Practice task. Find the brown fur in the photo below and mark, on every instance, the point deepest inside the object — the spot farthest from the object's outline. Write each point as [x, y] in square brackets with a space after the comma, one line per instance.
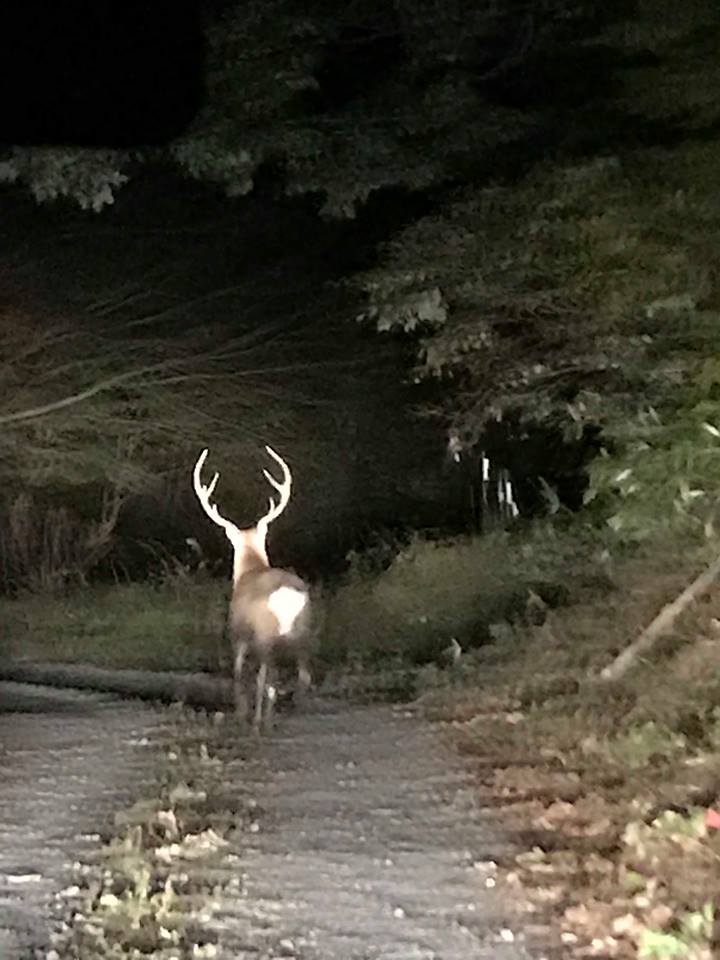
[254, 631]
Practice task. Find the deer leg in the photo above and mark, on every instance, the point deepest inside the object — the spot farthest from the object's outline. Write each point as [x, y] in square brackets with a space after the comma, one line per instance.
[270, 697]
[260, 691]
[304, 676]
[240, 654]
[304, 679]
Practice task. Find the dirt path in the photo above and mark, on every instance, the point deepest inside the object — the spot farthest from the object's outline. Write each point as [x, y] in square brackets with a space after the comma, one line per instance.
[68, 761]
[363, 841]
[370, 844]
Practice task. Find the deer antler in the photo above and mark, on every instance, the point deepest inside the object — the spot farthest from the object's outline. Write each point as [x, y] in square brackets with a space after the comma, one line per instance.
[204, 492]
[283, 487]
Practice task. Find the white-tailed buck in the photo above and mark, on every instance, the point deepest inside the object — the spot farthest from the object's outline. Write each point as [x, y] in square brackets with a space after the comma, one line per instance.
[269, 612]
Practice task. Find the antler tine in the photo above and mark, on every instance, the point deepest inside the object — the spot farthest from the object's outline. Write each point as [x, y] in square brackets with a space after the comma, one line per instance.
[200, 462]
[205, 491]
[283, 487]
[276, 456]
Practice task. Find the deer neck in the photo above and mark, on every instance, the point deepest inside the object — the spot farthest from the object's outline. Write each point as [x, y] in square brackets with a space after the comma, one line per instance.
[249, 552]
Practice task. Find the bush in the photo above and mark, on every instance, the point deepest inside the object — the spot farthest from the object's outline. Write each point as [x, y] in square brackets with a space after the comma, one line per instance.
[435, 591]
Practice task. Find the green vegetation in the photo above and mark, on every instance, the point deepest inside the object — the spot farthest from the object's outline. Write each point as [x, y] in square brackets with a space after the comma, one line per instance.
[343, 102]
[580, 296]
[436, 590]
[175, 626]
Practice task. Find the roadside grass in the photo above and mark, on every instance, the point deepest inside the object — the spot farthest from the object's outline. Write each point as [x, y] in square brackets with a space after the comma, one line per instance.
[613, 789]
[174, 625]
[554, 665]
[469, 590]
[435, 592]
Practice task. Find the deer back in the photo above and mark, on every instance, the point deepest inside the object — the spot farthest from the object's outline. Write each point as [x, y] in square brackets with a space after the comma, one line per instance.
[270, 606]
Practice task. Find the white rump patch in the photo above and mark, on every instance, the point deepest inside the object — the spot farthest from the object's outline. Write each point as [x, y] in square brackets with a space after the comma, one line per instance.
[286, 603]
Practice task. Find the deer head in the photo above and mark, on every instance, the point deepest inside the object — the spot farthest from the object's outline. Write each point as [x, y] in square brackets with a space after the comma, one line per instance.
[249, 547]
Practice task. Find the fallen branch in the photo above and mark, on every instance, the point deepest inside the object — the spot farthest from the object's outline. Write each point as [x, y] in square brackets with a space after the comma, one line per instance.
[661, 624]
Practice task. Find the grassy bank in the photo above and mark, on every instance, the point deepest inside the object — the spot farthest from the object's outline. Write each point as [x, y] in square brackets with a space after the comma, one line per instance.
[408, 614]
[613, 789]
[170, 626]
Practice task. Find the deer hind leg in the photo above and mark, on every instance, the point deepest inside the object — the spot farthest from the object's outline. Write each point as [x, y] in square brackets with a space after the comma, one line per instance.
[260, 690]
[304, 679]
[238, 691]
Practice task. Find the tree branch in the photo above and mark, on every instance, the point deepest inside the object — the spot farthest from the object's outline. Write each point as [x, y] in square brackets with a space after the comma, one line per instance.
[660, 624]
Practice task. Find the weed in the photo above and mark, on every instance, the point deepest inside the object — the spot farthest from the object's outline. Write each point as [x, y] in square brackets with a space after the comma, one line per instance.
[691, 940]
[637, 747]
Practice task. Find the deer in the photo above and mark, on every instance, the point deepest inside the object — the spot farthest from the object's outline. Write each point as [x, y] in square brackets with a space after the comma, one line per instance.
[269, 612]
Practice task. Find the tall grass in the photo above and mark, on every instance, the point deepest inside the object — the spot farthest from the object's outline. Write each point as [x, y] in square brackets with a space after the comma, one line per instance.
[407, 614]
[438, 590]
[50, 548]
[176, 625]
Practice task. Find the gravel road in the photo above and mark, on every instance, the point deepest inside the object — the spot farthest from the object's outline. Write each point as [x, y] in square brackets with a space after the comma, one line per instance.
[370, 846]
[367, 842]
[68, 761]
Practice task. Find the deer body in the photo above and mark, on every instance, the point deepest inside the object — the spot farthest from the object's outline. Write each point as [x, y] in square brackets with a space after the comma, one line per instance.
[269, 618]
[270, 612]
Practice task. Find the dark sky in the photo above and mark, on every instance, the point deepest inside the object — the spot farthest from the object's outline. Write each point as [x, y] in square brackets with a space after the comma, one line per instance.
[99, 72]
